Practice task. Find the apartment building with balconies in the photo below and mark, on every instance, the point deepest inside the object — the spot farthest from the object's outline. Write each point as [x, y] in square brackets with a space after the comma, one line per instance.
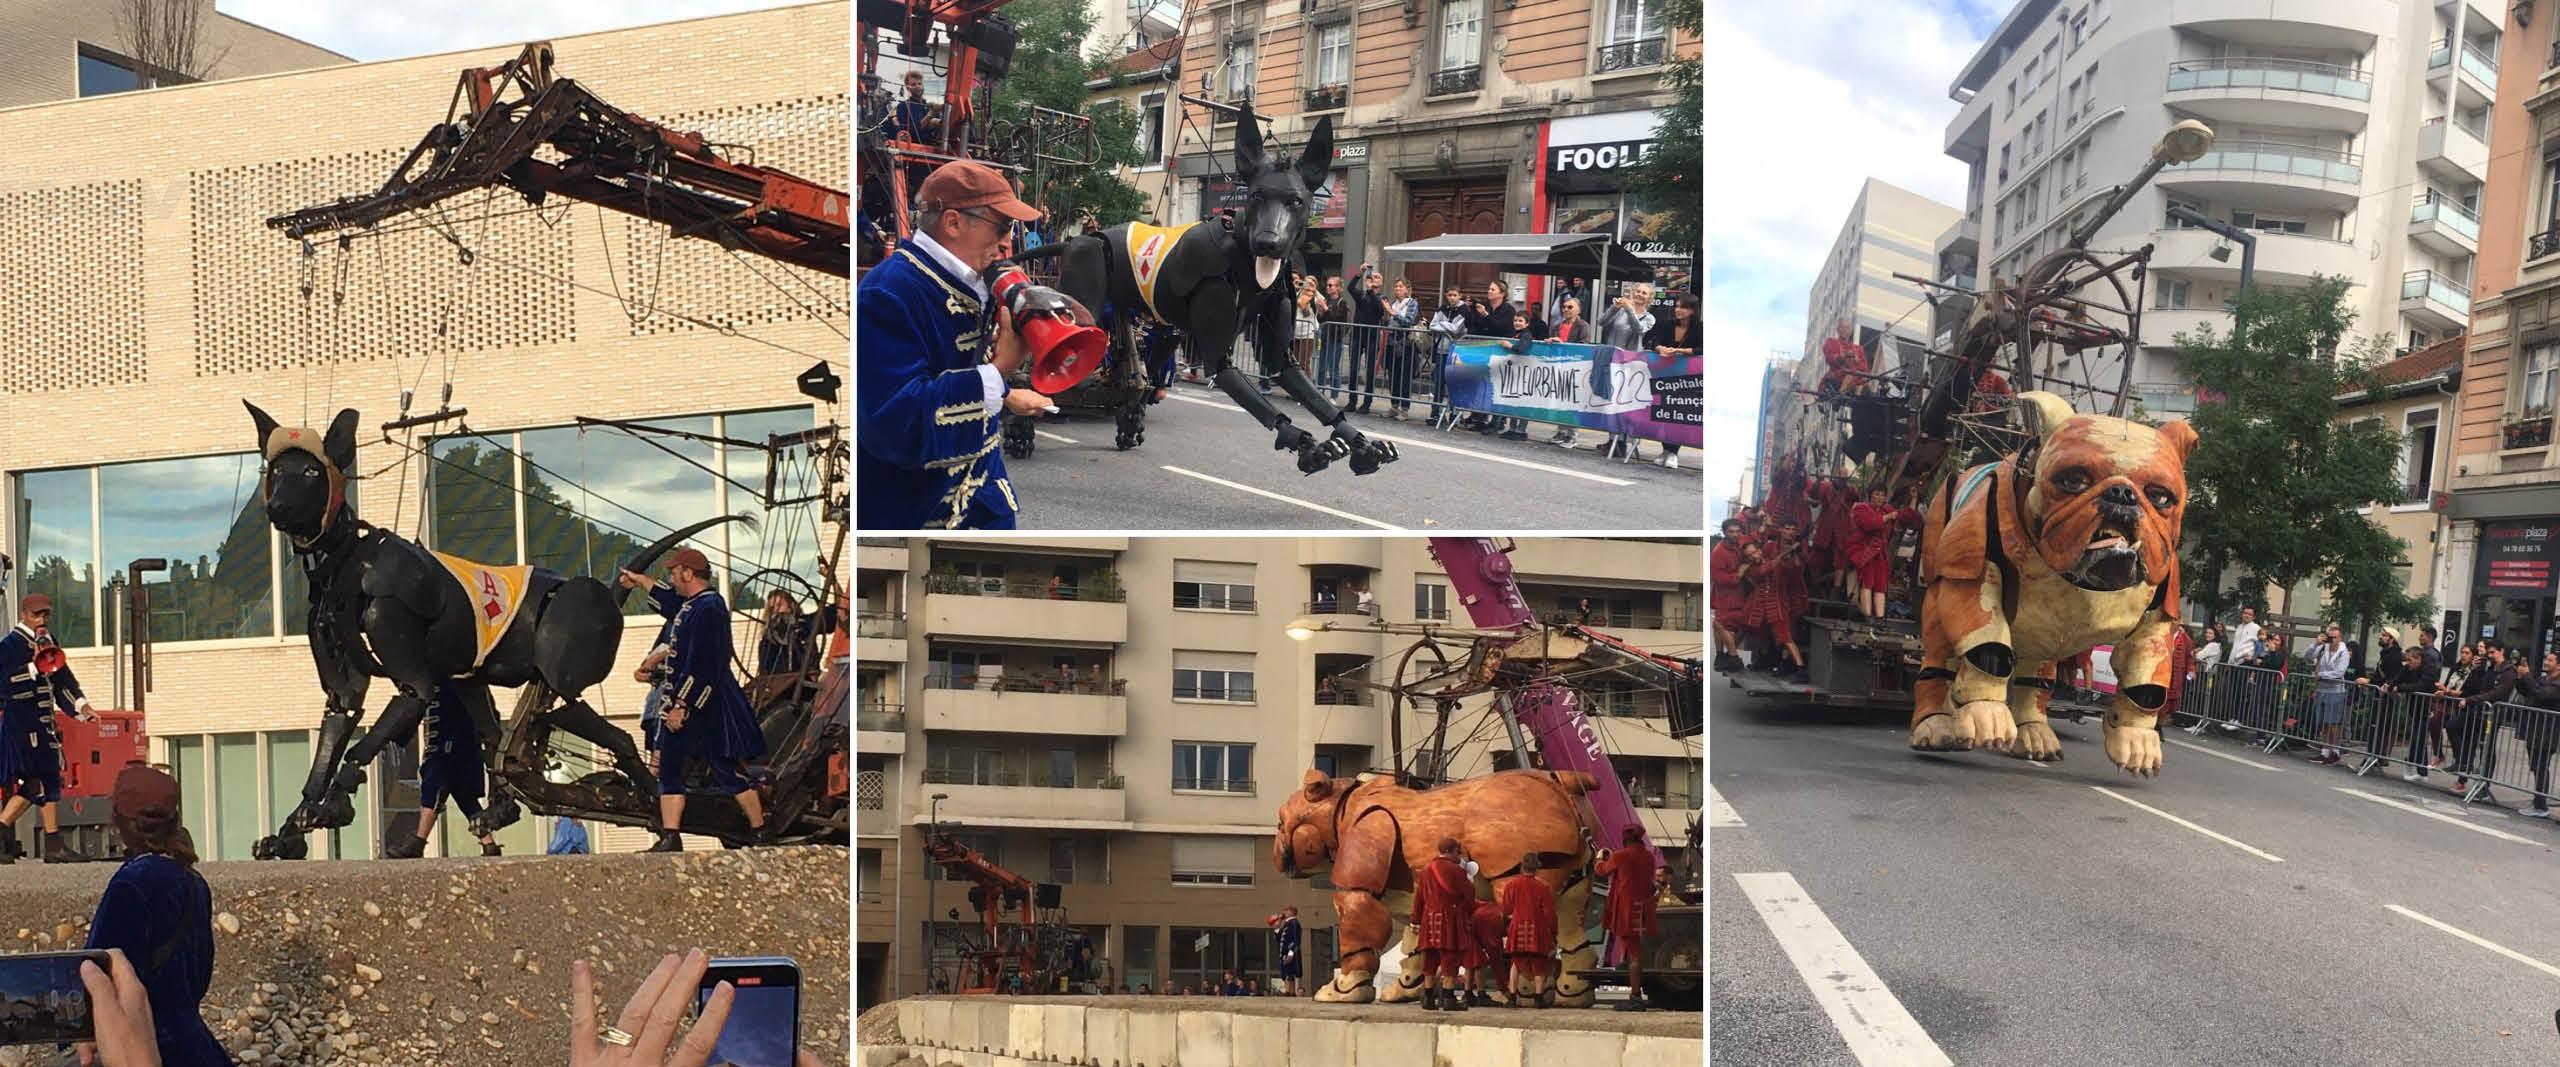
[1889, 230]
[2495, 568]
[1123, 717]
[2351, 136]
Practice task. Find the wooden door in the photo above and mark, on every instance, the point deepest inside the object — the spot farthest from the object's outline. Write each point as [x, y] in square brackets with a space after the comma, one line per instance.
[1470, 206]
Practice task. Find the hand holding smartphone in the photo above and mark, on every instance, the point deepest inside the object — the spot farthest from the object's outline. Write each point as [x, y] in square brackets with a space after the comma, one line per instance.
[763, 1029]
[43, 1001]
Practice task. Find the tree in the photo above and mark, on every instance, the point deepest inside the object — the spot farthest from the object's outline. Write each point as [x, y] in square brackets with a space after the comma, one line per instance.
[1667, 181]
[165, 38]
[2277, 486]
[1050, 70]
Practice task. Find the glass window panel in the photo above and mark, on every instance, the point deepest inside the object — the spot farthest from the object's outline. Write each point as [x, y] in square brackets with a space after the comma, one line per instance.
[632, 492]
[202, 514]
[101, 76]
[53, 518]
[235, 771]
[789, 538]
[186, 765]
[1139, 946]
[1239, 766]
[288, 761]
[471, 500]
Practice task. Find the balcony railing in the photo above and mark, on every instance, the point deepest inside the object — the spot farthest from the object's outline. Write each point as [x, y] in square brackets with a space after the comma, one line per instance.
[2475, 62]
[2555, 55]
[1327, 97]
[1239, 603]
[1633, 55]
[2325, 163]
[1457, 80]
[1013, 780]
[887, 624]
[2267, 72]
[964, 586]
[1215, 785]
[1347, 605]
[889, 717]
[2436, 287]
[2420, 493]
[2531, 431]
[2450, 214]
[1230, 694]
[881, 542]
[1650, 797]
[1030, 682]
[2546, 243]
[1347, 698]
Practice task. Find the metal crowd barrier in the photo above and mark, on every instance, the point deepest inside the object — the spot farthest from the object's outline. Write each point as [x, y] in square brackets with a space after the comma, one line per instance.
[1354, 363]
[2478, 746]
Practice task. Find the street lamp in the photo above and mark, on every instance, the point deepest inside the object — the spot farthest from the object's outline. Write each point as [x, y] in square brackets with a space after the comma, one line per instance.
[1304, 628]
[932, 930]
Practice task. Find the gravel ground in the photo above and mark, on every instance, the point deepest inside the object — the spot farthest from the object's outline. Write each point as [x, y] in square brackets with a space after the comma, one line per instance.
[466, 961]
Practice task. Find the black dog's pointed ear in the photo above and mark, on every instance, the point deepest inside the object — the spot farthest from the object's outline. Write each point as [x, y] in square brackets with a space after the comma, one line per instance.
[1249, 158]
[1315, 165]
[266, 424]
[340, 441]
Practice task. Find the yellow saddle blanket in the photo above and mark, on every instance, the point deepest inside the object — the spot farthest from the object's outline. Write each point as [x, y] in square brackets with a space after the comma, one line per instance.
[496, 594]
[1148, 247]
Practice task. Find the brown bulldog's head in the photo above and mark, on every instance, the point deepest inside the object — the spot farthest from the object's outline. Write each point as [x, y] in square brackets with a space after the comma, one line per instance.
[1306, 839]
[2108, 495]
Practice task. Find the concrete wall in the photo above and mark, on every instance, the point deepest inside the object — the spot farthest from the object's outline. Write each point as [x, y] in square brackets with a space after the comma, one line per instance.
[153, 298]
[1001, 1032]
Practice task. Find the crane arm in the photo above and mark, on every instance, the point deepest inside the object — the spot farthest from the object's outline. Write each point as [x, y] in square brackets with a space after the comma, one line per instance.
[500, 116]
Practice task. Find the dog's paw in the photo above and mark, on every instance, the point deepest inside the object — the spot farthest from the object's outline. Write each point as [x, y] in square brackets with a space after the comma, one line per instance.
[2134, 745]
[1986, 724]
[2037, 742]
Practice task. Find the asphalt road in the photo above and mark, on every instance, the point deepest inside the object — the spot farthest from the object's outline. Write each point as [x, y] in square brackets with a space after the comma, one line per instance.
[1207, 466]
[1879, 906]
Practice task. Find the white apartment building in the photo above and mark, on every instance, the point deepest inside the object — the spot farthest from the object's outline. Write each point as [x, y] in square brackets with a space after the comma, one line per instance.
[1124, 716]
[1890, 230]
[2351, 135]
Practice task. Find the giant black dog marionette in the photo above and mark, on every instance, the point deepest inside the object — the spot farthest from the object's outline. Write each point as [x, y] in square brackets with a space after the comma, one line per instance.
[1217, 282]
[383, 606]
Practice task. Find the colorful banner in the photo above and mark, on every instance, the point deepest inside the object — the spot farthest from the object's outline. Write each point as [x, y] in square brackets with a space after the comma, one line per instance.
[1658, 398]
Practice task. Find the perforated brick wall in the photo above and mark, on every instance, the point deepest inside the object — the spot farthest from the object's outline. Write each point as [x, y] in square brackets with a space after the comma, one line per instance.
[73, 258]
[672, 285]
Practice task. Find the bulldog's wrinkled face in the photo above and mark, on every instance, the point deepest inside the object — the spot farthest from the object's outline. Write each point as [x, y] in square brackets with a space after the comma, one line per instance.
[2108, 499]
[1305, 841]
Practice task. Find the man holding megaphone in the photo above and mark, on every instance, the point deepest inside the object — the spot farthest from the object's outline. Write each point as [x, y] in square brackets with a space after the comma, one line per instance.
[933, 385]
[38, 679]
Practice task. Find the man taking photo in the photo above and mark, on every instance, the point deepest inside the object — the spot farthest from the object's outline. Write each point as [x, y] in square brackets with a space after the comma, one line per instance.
[930, 396]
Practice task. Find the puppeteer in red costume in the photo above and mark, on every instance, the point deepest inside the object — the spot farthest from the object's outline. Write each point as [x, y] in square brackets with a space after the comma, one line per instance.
[1443, 910]
[1484, 947]
[1844, 360]
[1530, 908]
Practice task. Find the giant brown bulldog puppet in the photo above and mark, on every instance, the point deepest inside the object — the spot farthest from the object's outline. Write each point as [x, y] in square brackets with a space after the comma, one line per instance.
[1372, 835]
[2069, 543]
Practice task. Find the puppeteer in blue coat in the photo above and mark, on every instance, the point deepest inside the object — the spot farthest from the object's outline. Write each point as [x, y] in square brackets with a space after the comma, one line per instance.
[31, 751]
[719, 727]
[929, 436]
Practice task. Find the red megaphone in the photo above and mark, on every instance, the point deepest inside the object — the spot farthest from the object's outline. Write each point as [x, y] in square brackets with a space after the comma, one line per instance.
[49, 658]
[1066, 347]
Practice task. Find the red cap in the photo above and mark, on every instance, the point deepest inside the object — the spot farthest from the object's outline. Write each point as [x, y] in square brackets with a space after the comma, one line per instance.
[34, 603]
[145, 792]
[691, 559]
[964, 184]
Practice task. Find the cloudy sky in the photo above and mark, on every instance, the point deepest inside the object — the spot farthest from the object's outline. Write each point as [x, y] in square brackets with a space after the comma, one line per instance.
[1846, 90]
[370, 31]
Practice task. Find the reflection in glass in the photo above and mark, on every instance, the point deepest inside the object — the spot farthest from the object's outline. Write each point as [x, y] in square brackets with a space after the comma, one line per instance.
[614, 493]
[471, 501]
[203, 515]
[789, 539]
[60, 559]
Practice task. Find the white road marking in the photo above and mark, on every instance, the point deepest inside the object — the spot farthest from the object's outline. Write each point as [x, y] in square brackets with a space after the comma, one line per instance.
[2481, 941]
[2436, 815]
[2219, 754]
[1058, 437]
[2261, 854]
[1438, 447]
[1308, 504]
[1720, 813]
[1878, 1029]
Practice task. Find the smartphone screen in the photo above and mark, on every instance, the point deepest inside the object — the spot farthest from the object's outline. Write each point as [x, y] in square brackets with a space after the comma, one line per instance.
[764, 1020]
[41, 999]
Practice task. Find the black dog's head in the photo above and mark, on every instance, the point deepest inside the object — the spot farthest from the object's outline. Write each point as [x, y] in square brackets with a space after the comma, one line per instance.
[1277, 198]
[305, 481]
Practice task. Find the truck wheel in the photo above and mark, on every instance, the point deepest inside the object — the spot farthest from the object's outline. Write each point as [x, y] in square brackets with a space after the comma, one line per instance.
[1679, 992]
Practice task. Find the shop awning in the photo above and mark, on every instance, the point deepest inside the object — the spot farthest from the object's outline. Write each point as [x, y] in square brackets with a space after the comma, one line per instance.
[1566, 255]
